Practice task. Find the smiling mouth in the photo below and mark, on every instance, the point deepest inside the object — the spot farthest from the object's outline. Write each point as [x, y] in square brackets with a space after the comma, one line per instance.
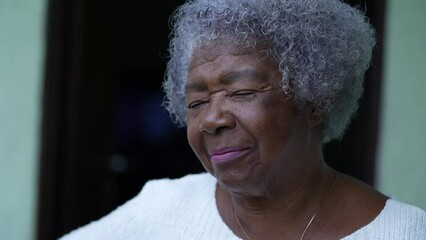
[228, 155]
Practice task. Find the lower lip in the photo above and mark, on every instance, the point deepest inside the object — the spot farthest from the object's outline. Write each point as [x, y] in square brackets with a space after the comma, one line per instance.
[228, 156]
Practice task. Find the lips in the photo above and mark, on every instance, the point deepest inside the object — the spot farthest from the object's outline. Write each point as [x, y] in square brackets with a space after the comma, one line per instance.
[228, 154]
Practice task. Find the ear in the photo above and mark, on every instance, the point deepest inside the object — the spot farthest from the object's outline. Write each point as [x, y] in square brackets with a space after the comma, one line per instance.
[314, 117]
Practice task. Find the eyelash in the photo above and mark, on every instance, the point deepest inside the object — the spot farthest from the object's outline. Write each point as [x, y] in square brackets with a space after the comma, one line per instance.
[196, 104]
[236, 94]
[243, 93]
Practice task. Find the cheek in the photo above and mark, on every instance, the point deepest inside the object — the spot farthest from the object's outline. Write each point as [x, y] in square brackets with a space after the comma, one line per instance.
[192, 134]
[195, 140]
[275, 122]
[267, 112]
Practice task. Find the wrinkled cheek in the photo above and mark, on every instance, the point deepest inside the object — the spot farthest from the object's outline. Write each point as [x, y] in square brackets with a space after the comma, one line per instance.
[195, 140]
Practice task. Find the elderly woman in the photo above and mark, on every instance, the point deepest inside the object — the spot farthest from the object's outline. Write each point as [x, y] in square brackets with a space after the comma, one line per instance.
[261, 86]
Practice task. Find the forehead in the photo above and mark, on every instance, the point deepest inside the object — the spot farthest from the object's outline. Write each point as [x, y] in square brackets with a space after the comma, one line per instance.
[227, 62]
[209, 53]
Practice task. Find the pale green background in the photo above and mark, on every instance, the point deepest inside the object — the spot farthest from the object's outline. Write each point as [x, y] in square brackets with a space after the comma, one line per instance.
[21, 62]
[402, 151]
[402, 145]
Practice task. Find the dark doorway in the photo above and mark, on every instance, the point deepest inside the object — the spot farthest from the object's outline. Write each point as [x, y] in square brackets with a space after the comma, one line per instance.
[105, 132]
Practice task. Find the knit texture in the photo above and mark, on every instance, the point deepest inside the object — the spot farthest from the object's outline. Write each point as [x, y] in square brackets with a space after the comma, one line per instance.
[185, 209]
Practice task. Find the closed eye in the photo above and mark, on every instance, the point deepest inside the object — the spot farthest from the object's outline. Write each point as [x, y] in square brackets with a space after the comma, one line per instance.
[243, 93]
[196, 104]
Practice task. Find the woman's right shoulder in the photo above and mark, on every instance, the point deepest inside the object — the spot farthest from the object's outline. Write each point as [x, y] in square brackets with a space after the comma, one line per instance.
[190, 183]
[150, 208]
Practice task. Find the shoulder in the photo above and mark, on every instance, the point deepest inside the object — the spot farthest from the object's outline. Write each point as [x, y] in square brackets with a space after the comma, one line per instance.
[397, 220]
[183, 185]
[398, 213]
[150, 208]
[365, 213]
[158, 193]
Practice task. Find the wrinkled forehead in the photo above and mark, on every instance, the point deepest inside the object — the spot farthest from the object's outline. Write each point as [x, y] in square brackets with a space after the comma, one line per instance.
[209, 52]
[230, 66]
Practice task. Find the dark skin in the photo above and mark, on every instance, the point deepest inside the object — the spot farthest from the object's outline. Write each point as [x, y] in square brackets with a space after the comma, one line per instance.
[267, 156]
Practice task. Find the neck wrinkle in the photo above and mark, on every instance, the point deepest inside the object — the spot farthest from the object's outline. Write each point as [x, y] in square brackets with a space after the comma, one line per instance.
[300, 203]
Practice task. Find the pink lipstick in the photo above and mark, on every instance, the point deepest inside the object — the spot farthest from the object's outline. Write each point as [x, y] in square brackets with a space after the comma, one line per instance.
[227, 154]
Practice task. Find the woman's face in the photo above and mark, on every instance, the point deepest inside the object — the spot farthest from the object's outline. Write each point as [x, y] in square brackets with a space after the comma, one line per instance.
[244, 129]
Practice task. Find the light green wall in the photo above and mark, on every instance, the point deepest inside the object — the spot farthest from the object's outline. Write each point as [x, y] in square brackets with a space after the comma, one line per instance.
[21, 62]
[402, 152]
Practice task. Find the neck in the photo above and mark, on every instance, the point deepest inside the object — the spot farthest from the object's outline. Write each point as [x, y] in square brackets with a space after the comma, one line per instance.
[286, 214]
[286, 196]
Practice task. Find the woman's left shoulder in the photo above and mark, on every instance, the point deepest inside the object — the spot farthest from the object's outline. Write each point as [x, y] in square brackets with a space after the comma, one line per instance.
[379, 216]
[397, 220]
[400, 212]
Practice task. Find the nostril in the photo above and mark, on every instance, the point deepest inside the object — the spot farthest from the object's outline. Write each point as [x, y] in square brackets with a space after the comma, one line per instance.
[217, 122]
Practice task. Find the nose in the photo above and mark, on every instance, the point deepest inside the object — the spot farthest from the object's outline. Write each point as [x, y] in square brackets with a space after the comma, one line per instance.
[216, 118]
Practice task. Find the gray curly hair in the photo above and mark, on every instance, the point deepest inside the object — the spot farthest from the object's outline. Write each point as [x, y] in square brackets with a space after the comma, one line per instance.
[323, 49]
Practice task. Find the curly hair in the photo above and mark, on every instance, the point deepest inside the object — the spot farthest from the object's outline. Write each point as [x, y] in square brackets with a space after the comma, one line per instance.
[323, 49]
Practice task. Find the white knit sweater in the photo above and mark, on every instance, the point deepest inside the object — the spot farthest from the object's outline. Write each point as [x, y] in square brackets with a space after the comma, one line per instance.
[185, 209]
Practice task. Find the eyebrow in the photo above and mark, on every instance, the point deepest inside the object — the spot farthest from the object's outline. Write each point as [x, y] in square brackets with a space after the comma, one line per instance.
[228, 79]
